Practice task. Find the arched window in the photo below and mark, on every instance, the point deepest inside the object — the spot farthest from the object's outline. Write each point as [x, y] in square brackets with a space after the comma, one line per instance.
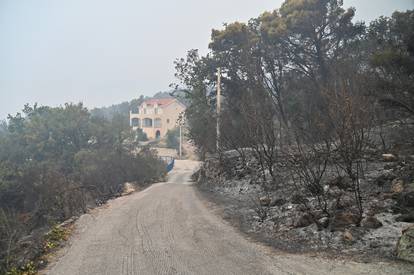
[147, 123]
[157, 123]
[135, 122]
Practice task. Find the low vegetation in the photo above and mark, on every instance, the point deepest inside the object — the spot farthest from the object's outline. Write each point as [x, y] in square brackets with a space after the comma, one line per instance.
[56, 163]
[173, 138]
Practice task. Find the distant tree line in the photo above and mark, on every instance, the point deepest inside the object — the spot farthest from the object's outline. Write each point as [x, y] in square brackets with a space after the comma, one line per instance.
[124, 108]
[58, 162]
[305, 86]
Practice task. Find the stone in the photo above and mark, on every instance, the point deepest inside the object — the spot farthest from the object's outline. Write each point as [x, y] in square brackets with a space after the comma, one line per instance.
[344, 219]
[387, 196]
[405, 245]
[41, 264]
[265, 201]
[406, 200]
[278, 202]
[345, 202]
[324, 222]
[385, 178]
[409, 199]
[335, 192]
[391, 165]
[343, 183]
[397, 186]
[128, 189]
[26, 241]
[68, 222]
[405, 218]
[302, 208]
[297, 199]
[389, 157]
[304, 221]
[30, 247]
[371, 222]
[410, 187]
[347, 236]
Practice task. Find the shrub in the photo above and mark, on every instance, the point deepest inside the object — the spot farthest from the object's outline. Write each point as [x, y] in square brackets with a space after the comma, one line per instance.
[54, 162]
[173, 138]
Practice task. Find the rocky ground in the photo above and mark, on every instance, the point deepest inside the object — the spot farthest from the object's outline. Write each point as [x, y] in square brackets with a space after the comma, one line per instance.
[278, 217]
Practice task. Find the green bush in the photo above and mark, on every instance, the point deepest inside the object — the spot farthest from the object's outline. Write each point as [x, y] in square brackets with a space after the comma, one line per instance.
[173, 138]
[141, 135]
[54, 162]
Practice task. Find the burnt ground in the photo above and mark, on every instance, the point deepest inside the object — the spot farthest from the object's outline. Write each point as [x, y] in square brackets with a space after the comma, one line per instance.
[236, 199]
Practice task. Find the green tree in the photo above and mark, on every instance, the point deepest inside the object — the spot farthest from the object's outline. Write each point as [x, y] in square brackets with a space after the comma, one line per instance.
[141, 135]
[195, 74]
[391, 42]
[173, 138]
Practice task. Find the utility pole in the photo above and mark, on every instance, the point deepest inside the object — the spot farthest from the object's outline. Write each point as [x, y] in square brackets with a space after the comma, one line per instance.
[180, 122]
[218, 99]
[181, 142]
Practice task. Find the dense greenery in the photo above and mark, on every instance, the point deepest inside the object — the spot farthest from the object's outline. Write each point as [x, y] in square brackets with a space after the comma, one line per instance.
[141, 135]
[57, 162]
[173, 138]
[118, 109]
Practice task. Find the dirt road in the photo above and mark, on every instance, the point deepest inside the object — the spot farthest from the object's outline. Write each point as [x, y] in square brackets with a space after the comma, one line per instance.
[167, 229]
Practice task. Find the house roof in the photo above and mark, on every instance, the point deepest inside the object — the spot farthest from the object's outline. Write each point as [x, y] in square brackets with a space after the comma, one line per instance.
[162, 102]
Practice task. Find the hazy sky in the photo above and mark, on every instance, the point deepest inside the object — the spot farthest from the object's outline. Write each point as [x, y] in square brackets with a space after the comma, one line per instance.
[102, 52]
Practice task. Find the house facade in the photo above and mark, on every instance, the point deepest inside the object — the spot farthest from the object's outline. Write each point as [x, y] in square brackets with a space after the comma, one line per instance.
[156, 116]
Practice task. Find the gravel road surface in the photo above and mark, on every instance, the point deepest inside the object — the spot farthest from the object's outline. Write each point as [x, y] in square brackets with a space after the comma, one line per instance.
[167, 229]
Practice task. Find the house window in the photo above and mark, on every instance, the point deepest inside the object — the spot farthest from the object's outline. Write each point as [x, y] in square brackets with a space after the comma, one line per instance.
[147, 123]
[168, 120]
[156, 111]
[145, 111]
[157, 123]
[135, 122]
